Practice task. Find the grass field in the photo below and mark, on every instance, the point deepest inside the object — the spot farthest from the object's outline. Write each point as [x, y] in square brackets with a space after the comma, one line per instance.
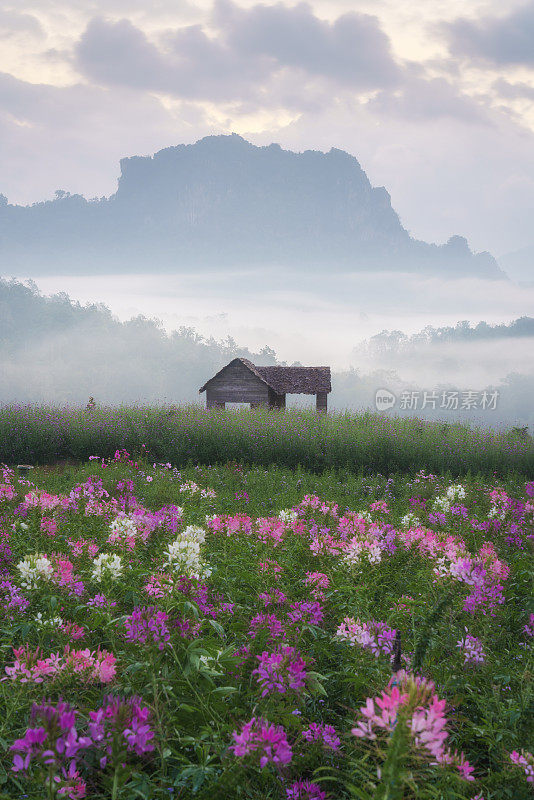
[190, 434]
[224, 632]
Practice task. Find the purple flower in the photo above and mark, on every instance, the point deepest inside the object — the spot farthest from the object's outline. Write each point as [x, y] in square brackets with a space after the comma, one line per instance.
[147, 624]
[269, 621]
[282, 670]
[54, 742]
[123, 721]
[473, 651]
[13, 601]
[325, 733]
[305, 790]
[264, 741]
[311, 613]
[100, 601]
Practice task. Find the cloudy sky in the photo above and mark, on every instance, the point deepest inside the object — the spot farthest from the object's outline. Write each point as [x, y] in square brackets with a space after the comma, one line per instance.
[435, 99]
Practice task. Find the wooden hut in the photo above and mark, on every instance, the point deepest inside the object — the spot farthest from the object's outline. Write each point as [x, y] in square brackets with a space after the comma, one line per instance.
[241, 381]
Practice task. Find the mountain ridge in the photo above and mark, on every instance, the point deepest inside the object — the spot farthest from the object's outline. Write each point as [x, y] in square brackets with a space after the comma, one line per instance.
[221, 202]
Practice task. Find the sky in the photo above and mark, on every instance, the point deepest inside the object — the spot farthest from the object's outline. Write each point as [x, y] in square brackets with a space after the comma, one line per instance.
[436, 100]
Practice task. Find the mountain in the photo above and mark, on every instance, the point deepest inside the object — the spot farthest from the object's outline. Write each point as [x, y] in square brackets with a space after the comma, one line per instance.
[224, 202]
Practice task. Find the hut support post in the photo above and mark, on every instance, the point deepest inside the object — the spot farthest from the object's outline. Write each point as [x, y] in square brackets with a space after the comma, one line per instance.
[321, 402]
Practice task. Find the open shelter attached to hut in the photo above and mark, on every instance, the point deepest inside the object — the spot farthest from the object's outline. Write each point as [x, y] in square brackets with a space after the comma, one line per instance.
[241, 381]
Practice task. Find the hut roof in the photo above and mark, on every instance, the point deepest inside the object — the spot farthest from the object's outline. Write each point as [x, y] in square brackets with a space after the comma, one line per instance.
[288, 380]
[297, 380]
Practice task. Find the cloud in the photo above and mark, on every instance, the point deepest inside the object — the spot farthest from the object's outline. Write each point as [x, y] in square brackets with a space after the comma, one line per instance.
[353, 49]
[503, 40]
[422, 99]
[195, 66]
[254, 50]
[13, 23]
[73, 137]
[513, 91]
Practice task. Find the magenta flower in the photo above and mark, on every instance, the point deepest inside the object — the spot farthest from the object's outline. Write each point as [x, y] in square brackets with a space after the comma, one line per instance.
[125, 722]
[281, 671]
[264, 742]
[324, 733]
[305, 790]
[30, 745]
[148, 625]
[55, 743]
[310, 613]
[266, 621]
[525, 761]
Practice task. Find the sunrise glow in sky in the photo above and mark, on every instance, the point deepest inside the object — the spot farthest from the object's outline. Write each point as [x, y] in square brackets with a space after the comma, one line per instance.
[436, 100]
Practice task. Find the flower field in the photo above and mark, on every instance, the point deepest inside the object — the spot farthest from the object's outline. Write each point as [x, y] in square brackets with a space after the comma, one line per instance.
[192, 434]
[229, 632]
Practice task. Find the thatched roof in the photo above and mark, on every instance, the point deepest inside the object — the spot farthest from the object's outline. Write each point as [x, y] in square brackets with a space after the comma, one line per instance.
[288, 380]
[297, 380]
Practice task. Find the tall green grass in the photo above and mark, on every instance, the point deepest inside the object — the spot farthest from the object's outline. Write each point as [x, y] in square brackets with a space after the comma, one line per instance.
[192, 434]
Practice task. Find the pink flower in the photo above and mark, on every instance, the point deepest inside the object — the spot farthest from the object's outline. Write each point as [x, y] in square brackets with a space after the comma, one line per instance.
[423, 713]
[374, 636]
[49, 526]
[473, 651]
[525, 761]
[264, 741]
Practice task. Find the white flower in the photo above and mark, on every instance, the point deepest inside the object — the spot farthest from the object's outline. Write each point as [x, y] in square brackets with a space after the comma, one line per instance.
[496, 512]
[441, 504]
[410, 521]
[357, 551]
[189, 486]
[183, 555]
[455, 492]
[287, 516]
[33, 569]
[106, 565]
[47, 622]
[123, 526]
[194, 533]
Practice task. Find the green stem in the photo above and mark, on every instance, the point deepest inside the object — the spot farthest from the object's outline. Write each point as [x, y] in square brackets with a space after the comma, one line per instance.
[115, 788]
[51, 792]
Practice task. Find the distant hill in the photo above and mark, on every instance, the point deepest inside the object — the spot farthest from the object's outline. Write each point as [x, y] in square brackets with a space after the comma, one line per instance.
[225, 202]
[53, 349]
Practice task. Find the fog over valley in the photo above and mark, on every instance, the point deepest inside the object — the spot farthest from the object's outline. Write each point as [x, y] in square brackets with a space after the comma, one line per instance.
[57, 350]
